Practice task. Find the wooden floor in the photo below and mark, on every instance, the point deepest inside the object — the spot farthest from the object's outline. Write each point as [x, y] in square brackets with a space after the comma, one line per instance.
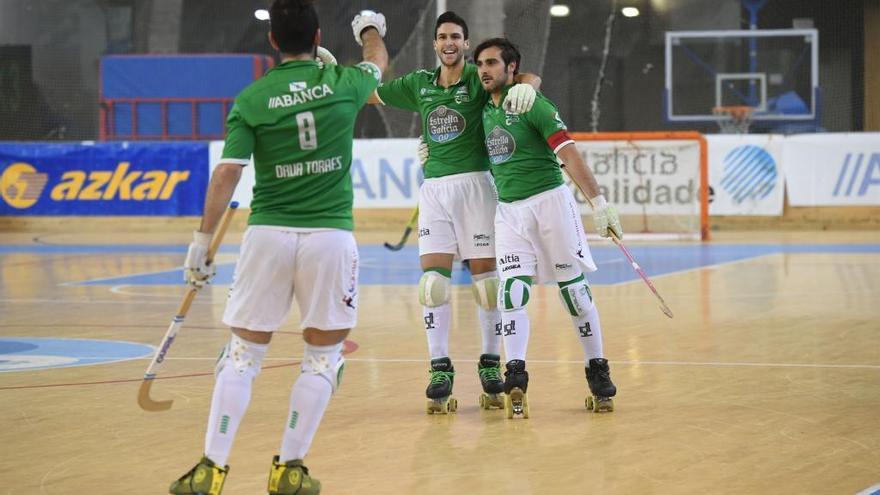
[766, 381]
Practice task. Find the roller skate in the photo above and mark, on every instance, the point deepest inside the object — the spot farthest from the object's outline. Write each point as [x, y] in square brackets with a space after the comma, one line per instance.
[489, 369]
[439, 392]
[205, 478]
[601, 388]
[292, 478]
[516, 382]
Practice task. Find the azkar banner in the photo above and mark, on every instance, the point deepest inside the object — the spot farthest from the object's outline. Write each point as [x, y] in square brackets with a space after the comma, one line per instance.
[118, 178]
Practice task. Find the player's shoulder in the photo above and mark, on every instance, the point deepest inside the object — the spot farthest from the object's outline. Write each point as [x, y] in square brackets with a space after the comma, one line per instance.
[360, 70]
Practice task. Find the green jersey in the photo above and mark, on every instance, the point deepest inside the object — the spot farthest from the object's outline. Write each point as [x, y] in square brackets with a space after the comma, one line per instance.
[450, 118]
[298, 122]
[522, 148]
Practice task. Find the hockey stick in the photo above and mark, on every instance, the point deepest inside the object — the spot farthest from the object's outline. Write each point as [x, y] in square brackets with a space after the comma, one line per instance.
[144, 400]
[409, 228]
[635, 265]
[638, 269]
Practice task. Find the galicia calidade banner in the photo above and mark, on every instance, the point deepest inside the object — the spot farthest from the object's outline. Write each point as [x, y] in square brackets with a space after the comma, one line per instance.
[644, 177]
[833, 169]
[746, 174]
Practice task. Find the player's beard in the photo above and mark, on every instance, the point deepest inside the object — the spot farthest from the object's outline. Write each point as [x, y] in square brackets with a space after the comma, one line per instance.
[497, 82]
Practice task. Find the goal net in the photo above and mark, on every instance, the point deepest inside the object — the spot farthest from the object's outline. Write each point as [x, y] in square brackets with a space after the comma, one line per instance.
[657, 181]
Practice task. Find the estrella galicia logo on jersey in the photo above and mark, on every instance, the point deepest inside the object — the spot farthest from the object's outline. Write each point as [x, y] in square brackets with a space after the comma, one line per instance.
[445, 124]
[462, 95]
[500, 145]
[21, 185]
[749, 173]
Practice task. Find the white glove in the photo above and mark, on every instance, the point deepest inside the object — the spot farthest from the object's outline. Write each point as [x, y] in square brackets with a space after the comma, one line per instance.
[422, 151]
[324, 57]
[606, 219]
[196, 271]
[367, 18]
[519, 99]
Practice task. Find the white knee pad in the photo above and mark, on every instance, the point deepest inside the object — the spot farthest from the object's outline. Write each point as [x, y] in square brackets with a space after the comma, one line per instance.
[577, 297]
[486, 291]
[326, 362]
[514, 293]
[245, 358]
[433, 289]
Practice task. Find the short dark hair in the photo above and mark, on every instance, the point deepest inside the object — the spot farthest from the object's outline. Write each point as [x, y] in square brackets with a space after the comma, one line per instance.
[450, 16]
[294, 24]
[509, 52]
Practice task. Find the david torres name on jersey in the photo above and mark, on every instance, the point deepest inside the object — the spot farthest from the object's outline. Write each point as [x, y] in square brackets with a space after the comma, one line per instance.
[309, 167]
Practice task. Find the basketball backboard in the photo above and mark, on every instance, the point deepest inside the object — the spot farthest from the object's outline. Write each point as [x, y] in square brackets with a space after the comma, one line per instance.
[775, 71]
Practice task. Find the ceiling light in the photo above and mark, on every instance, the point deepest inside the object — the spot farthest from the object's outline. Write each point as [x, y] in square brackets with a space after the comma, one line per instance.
[560, 11]
[629, 12]
[262, 14]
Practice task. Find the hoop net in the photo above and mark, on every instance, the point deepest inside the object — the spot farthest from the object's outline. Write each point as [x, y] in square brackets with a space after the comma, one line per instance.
[734, 119]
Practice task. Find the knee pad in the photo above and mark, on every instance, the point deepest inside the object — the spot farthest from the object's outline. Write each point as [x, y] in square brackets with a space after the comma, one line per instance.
[245, 358]
[433, 289]
[486, 291]
[326, 362]
[514, 293]
[577, 297]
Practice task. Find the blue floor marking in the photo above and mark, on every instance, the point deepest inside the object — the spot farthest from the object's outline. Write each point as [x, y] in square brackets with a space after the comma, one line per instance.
[31, 353]
[380, 266]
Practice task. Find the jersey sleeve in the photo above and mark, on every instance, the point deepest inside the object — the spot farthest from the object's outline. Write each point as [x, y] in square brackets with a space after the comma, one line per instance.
[239, 143]
[400, 92]
[366, 78]
[545, 118]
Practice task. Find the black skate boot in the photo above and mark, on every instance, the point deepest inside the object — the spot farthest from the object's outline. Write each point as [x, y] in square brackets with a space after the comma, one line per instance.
[601, 388]
[489, 369]
[439, 392]
[516, 383]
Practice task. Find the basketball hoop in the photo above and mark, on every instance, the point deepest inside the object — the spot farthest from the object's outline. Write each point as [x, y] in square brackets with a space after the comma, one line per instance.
[734, 119]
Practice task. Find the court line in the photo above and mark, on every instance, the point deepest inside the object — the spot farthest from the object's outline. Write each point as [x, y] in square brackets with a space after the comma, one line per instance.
[546, 361]
[874, 490]
[295, 361]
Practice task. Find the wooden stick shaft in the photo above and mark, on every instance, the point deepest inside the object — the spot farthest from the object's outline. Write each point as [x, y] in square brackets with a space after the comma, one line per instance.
[159, 357]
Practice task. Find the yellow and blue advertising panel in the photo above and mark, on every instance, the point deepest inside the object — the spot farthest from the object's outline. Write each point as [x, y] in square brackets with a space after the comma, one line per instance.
[118, 178]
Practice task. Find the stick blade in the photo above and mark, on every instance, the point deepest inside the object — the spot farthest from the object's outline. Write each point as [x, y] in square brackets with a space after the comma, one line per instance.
[148, 404]
[393, 247]
[666, 310]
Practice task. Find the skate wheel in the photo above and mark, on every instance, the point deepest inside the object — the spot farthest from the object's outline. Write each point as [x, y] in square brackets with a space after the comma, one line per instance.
[451, 405]
[525, 407]
[599, 404]
[508, 406]
[484, 402]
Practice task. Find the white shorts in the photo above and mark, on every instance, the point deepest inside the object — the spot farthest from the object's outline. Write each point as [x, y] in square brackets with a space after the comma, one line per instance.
[542, 237]
[319, 268]
[456, 215]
